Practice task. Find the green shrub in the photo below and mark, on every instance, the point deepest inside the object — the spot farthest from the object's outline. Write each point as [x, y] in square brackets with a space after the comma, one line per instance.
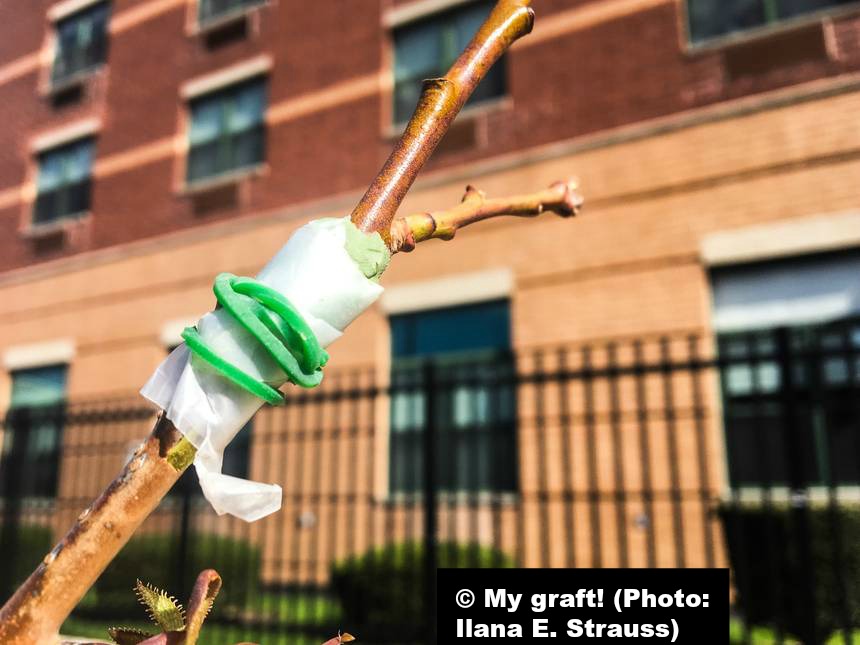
[29, 543]
[765, 555]
[385, 587]
[154, 559]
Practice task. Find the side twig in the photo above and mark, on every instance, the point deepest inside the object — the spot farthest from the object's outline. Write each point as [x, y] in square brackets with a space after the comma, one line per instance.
[560, 198]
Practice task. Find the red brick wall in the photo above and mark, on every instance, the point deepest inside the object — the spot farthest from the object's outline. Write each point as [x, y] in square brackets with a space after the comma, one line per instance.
[620, 71]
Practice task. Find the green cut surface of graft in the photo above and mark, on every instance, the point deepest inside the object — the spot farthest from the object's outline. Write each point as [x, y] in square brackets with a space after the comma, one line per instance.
[368, 251]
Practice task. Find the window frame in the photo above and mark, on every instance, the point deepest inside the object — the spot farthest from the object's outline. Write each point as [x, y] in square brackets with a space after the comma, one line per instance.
[193, 184]
[407, 373]
[243, 7]
[51, 413]
[812, 391]
[85, 184]
[768, 28]
[408, 17]
[69, 79]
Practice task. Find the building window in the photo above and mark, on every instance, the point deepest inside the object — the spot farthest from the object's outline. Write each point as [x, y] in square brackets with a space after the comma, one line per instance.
[34, 430]
[788, 337]
[63, 185]
[460, 355]
[227, 130]
[213, 10]
[81, 43]
[428, 47]
[714, 18]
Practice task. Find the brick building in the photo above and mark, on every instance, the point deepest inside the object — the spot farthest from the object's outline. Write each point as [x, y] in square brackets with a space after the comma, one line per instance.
[146, 145]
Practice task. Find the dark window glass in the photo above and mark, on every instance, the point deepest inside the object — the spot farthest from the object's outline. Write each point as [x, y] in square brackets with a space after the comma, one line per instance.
[427, 48]
[463, 355]
[63, 186]
[81, 42]
[227, 130]
[34, 431]
[211, 10]
[790, 404]
[714, 18]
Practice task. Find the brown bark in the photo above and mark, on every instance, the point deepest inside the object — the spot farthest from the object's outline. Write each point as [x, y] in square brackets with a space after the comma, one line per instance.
[34, 614]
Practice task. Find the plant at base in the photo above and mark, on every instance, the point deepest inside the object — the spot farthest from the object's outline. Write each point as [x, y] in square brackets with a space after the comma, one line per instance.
[176, 627]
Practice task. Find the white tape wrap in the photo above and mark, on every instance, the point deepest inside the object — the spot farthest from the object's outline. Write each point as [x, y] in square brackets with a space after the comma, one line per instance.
[315, 272]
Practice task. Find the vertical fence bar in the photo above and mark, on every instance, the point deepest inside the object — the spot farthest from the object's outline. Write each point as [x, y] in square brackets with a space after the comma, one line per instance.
[696, 368]
[644, 451]
[851, 352]
[430, 556]
[266, 437]
[568, 483]
[798, 483]
[821, 399]
[741, 559]
[370, 499]
[476, 456]
[591, 442]
[766, 469]
[183, 540]
[318, 436]
[542, 498]
[16, 421]
[670, 415]
[300, 438]
[620, 496]
[497, 386]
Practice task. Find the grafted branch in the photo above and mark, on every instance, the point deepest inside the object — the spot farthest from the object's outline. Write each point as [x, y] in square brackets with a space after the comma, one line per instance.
[560, 198]
[440, 102]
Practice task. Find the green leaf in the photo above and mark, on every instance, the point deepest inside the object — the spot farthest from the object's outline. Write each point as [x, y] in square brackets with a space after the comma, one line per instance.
[162, 609]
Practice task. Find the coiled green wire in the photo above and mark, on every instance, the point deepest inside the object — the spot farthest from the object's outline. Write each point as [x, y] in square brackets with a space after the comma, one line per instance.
[273, 321]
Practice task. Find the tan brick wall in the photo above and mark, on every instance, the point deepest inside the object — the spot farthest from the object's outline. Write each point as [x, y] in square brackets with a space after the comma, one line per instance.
[628, 267]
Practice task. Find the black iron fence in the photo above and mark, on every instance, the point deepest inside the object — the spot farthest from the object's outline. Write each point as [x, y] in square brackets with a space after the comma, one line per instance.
[652, 452]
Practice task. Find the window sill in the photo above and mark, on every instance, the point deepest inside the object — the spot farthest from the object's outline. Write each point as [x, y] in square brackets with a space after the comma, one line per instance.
[719, 43]
[226, 179]
[483, 498]
[54, 227]
[74, 81]
[230, 18]
[781, 496]
[499, 104]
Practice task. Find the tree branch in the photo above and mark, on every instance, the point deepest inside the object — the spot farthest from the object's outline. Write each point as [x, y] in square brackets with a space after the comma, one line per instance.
[560, 198]
[440, 102]
[35, 613]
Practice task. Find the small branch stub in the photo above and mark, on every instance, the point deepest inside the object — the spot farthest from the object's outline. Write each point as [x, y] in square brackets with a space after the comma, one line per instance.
[560, 198]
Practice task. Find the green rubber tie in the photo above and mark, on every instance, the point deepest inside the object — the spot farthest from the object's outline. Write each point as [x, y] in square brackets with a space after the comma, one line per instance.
[273, 321]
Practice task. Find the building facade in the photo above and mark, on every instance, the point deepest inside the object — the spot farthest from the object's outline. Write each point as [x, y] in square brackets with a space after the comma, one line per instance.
[149, 144]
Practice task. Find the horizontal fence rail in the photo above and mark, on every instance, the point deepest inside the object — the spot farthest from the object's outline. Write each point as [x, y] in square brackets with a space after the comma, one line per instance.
[678, 451]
